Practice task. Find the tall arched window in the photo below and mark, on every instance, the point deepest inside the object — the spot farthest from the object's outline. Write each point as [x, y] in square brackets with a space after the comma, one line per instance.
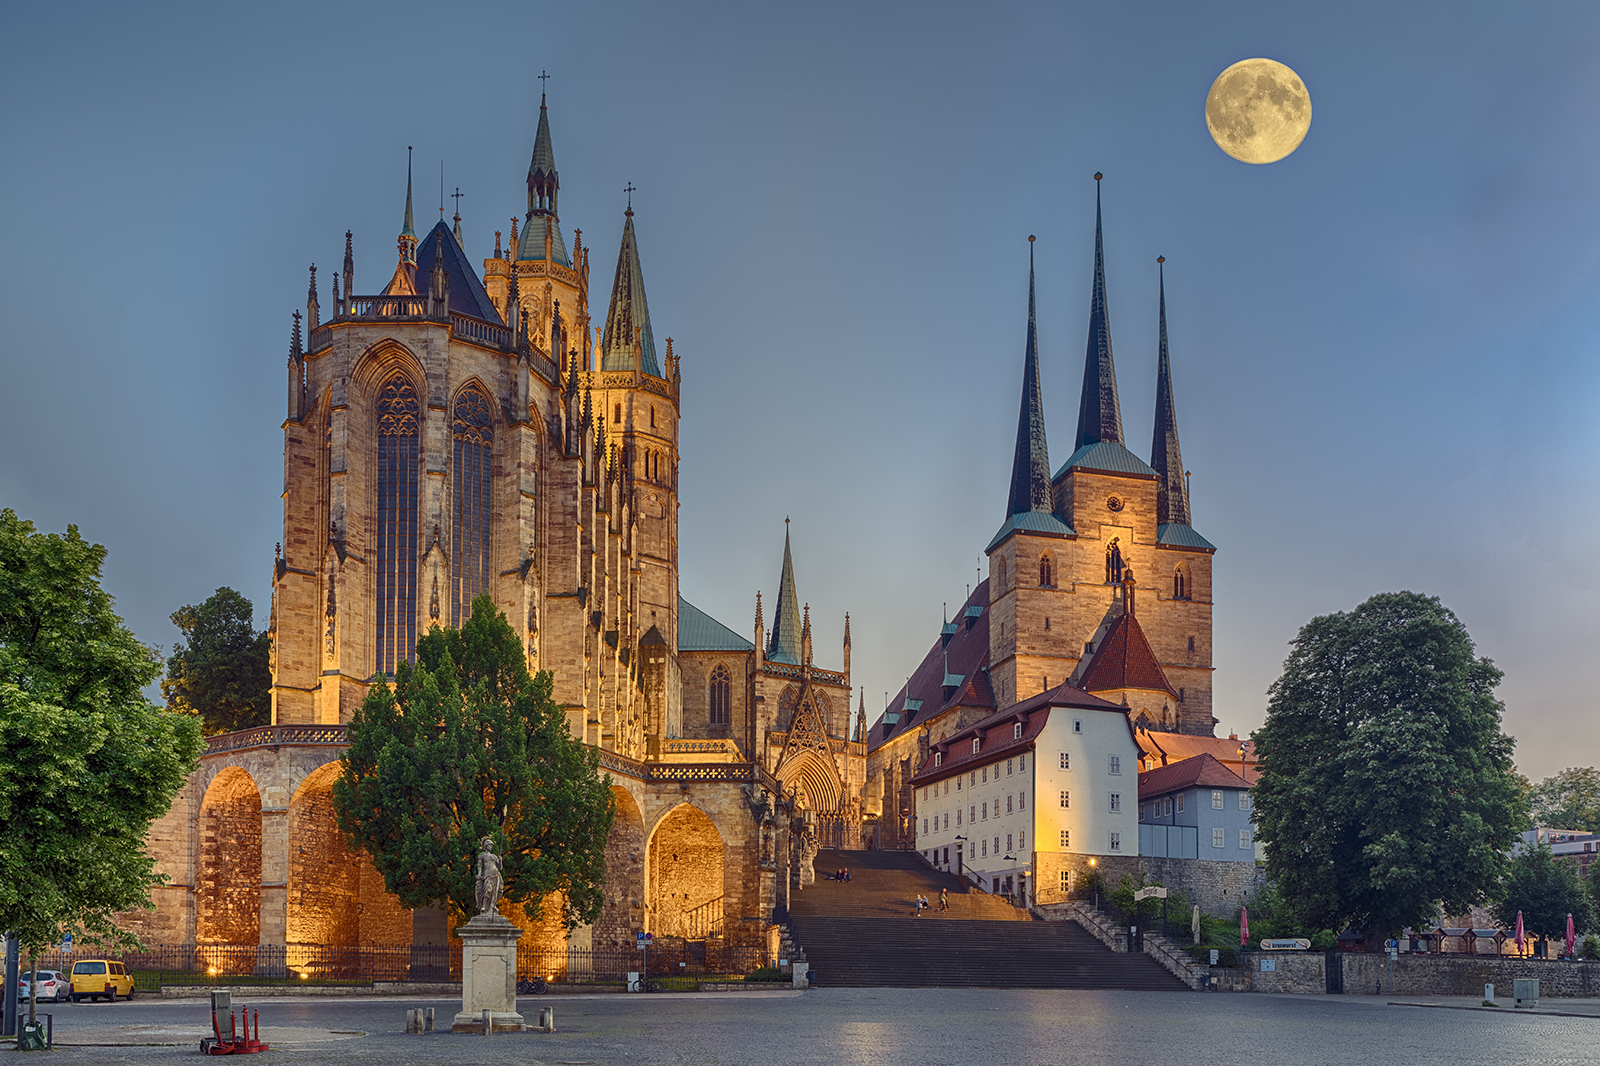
[1000, 575]
[1180, 584]
[398, 413]
[1044, 570]
[721, 692]
[473, 431]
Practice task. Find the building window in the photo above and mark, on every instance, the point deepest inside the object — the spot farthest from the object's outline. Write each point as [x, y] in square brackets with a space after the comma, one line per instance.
[938, 758]
[1066, 799]
[617, 415]
[1066, 875]
[1016, 732]
[1179, 585]
[986, 775]
[1244, 801]
[947, 820]
[997, 844]
[1022, 762]
[1008, 767]
[986, 810]
[1244, 838]
[1180, 695]
[1116, 803]
[947, 788]
[958, 782]
[1000, 573]
[1116, 764]
[1022, 801]
[924, 827]
[1044, 571]
[1077, 725]
[975, 745]
[1116, 840]
[972, 814]
[1008, 804]
[1066, 842]
[985, 852]
[1022, 839]
[958, 817]
[473, 433]
[1216, 799]
[1047, 624]
[398, 415]
[1191, 645]
[1166, 807]
[1066, 761]
[1216, 838]
[652, 416]
[1008, 841]
[721, 690]
[1180, 802]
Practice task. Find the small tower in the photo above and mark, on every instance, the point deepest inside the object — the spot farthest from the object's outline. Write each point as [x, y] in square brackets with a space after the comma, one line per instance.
[404, 282]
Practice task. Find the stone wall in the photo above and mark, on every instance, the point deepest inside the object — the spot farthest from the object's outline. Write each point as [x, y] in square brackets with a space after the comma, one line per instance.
[1465, 975]
[1218, 887]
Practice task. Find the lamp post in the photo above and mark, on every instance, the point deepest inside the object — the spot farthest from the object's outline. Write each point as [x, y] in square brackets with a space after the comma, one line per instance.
[1094, 875]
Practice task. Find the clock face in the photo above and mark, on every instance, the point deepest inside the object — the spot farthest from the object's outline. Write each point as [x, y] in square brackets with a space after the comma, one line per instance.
[1114, 503]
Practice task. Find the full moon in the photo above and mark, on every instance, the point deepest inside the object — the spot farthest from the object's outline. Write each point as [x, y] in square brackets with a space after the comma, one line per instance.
[1258, 111]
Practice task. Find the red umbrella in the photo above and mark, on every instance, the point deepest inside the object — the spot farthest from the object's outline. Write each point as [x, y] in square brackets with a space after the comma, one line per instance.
[1572, 934]
[1519, 937]
[1244, 927]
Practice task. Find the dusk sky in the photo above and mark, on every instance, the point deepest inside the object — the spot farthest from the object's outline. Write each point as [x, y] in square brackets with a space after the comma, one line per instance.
[1383, 346]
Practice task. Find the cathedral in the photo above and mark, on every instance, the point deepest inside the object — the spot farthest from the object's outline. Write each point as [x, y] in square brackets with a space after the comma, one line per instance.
[469, 431]
[1096, 580]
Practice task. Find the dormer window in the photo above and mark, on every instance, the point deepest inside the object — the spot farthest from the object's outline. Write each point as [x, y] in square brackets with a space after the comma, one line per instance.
[976, 744]
[938, 758]
[1016, 731]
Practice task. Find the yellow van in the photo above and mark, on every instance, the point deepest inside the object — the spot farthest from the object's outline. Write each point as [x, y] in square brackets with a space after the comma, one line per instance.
[100, 978]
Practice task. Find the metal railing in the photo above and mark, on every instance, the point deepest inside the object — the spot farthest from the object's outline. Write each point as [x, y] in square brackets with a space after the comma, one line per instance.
[703, 921]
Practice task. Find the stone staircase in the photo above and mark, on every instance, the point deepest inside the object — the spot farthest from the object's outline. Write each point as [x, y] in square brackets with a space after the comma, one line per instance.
[862, 933]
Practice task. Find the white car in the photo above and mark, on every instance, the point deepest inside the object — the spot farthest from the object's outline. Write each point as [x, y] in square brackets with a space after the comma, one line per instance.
[53, 986]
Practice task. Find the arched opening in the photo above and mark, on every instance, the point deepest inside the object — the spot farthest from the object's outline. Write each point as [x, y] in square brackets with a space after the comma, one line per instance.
[1044, 571]
[228, 895]
[336, 897]
[472, 432]
[398, 417]
[686, 876]
[721, 693]
[623, 912]
[1180, 584]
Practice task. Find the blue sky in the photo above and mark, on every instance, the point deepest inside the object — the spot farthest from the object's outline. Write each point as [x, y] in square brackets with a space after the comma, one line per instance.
[1384, 346]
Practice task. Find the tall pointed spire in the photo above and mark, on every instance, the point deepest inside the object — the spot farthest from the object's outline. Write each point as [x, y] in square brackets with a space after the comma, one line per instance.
[784, 647]
[628, 320]
[1030, 469]
[406, 230]
[1172, 494]
[1099, 417]
[542, 226]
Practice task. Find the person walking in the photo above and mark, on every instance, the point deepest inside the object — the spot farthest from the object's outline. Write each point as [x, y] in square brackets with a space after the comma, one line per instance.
[944, 899]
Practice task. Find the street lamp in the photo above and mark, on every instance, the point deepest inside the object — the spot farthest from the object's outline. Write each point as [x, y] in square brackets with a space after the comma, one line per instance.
[1094, 875]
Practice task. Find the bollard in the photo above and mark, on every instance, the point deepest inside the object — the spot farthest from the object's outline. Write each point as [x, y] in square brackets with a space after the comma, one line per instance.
[1488, 995]
[427, 1020]
[414, 1021]
[488, 1022]
[547, 1019]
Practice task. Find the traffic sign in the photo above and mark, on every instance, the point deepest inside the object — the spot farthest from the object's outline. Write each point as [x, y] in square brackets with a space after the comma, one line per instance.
[66, 942]
[1155, 891]
[643, 940]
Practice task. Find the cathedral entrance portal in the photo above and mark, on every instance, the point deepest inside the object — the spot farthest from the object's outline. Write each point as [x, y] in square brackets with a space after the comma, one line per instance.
[686, 876]
[228, 892]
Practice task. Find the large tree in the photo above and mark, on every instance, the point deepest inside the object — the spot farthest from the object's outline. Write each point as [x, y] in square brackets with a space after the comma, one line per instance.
[1569, 800]
[87, 763]
[222, 674]
[1386, 786]
[1544, 892]
[467, 744]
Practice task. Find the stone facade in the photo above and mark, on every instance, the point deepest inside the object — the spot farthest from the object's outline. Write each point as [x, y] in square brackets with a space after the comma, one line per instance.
[462, 433]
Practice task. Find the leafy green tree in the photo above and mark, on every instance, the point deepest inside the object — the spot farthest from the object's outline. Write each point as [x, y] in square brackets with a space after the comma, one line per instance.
[1568, 800]
[1545, 892]
[86, 762]
[1386, 783]
[222, 674]
[468, 745]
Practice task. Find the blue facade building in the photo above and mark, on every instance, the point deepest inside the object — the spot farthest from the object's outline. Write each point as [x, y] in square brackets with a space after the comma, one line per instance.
[1196, 809]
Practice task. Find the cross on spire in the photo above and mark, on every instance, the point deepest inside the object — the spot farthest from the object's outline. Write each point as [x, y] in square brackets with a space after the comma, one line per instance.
[543, 77]
[630, 190]
[456, 196]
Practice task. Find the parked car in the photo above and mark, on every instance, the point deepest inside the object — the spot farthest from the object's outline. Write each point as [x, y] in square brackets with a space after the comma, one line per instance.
[100, 979]
[53, 986]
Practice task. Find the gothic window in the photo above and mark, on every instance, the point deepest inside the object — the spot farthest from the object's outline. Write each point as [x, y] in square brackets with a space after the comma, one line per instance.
[617, 415]
[721, 686]
[398, 415]
[1044, 571]
[652, 416]
[473, 431]
[1180, 584]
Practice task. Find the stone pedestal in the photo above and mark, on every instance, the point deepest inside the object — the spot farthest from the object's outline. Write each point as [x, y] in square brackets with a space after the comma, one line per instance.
[488, 975]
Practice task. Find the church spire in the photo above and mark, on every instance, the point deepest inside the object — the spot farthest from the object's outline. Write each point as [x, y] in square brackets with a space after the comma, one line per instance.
[1030, 469]
[541, 232]
[1099, 418]
[407, 234]
[628, 320]
[784, 647]
[1172, 494]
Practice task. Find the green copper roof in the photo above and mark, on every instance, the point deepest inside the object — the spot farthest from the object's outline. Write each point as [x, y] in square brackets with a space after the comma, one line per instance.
[784, 644]
[1030, 522]
[698, 631]
[1182, 535]
[532, 247]
[629, 312]
[1107, 458]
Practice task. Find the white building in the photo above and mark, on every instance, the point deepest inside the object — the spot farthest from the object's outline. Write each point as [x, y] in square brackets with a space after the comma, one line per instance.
[1032, 792]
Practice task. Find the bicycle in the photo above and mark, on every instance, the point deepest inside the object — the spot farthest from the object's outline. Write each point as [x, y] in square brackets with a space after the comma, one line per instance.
[535, 987]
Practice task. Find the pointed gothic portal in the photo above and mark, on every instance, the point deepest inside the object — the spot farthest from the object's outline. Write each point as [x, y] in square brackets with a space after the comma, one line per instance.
[1172, 495]
[1099, 417]
[807, 770]
[628, 340]
[1030, 469]
[541, 232]
[784, 646]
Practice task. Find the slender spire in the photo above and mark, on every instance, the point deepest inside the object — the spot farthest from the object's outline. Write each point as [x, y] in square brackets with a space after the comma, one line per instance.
[1030, 469]
[1099, 417]
[349, 266]
[406, 230]
[784, 647]
[1172, 493]
[542, 227]
[628, 320]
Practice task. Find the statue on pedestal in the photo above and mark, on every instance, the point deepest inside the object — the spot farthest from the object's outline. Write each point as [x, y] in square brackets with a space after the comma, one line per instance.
[491, 880]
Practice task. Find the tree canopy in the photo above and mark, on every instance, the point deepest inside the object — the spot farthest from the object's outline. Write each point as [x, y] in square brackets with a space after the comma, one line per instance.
[1545, 892]
[1386, 785]
[467, 744]
[87, 763]
[223, 673]
[1568, 800]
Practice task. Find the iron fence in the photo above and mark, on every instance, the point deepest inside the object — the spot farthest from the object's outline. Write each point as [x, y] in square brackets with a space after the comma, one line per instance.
[231, 964]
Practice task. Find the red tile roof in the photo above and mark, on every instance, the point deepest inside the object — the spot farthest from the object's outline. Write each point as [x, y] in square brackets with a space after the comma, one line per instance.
[967, 655]
[998, 735]
[1123, 659]
[1170, 748]
[1202, 770]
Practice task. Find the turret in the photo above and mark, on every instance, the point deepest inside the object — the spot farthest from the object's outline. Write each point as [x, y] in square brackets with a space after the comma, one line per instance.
[313, 316]
[296, 372]
[1172, 491]
[1099, 416]
[628, 343]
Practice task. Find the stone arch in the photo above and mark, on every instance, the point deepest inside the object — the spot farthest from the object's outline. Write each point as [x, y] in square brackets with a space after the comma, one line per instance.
[686, 874]
[228, 888]
[380, 361]
[622, 914]
[816, 778]
[336, 896]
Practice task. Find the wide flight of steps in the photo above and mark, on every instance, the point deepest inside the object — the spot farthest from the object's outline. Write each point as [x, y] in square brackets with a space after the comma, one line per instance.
[862, 933]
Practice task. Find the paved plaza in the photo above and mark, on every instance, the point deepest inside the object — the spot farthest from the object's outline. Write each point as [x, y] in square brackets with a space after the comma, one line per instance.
[870, 1027]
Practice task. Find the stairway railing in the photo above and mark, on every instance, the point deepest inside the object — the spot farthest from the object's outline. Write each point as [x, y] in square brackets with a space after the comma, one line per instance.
[704, 921]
